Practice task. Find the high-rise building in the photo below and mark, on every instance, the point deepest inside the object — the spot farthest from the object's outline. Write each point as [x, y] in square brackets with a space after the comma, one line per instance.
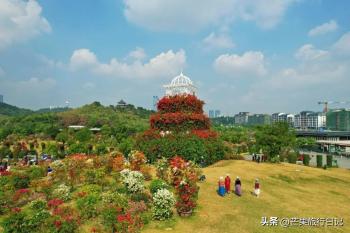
[241, 118]
[214, 113]
[259, 119]
[303, 119]
[316, 120]
[211, 114]
[1, 98]
[283, 117]
[338, 119]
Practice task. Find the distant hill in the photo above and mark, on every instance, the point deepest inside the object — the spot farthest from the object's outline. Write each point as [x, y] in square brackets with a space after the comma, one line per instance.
[122, 120]
[60, 109]
[10, 110]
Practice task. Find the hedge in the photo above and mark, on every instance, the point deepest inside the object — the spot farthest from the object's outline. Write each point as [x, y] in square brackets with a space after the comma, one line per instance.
[190, 147]
[319, 160]
[329, 160]
[306, 160]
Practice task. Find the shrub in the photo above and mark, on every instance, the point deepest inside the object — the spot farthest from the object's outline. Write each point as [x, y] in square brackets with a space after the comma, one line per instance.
[15, 223]
[133, 180]
[158, 184]
[199, 150]
[38, 205]
[36, 172]
[91, 189]
[162, 166]
[62, 191]
[329, 160]
[306, 160]
[38, 220]
[20, 181]
[114, 198]
[146, 172]
[137, 159]
[109, 216]
[319, 160]
[292, 158]
[88, 206]
[163, 202]
[95, 176]
[145, 197]
[184, 178]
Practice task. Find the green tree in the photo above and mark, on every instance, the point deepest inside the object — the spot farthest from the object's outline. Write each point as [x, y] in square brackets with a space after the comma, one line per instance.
[83, 135]
[275, 139]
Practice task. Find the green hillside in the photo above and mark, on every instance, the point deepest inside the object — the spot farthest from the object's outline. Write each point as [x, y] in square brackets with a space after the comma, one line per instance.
[9, 110]
[48, 124]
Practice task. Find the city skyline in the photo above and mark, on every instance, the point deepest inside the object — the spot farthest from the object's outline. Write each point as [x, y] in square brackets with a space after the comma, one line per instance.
[241, 55]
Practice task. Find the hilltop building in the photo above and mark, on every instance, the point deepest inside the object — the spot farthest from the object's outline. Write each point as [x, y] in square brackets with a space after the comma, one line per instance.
[181, 84]
[121, 104]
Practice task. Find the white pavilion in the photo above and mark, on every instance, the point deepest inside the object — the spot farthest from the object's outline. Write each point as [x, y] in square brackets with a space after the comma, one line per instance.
[180, 85]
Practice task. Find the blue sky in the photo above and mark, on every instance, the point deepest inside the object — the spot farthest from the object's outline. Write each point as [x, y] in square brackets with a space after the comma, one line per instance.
[261, 56]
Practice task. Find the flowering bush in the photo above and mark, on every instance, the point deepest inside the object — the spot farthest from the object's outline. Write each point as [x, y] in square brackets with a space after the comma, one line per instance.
[162, 166]
[204, 133]
[184, 178]
[21, 194]
[62, 191]
[54, 203]
[133, 180]
[114, 198]
[118, 161]
[157, 184]
[163, 202]
[146, 171]
[180, 103]
[137, 159]
[88, 206]
[179, 121]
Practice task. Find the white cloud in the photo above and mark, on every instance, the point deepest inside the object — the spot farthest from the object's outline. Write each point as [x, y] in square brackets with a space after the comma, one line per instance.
[325, 28]
[251, 63]
[162, 65]
[20, 20]
[310, 80]
[186, 16]
[342, 46]
[218, 41]
[137, 54]
[309, 52]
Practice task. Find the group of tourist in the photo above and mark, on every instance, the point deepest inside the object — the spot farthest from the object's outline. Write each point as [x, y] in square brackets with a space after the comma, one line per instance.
[225, 186]
[4, 167]
[259, 158]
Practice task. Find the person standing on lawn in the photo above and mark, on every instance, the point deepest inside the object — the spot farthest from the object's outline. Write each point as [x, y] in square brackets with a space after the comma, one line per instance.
[221, 184]
[228, 183]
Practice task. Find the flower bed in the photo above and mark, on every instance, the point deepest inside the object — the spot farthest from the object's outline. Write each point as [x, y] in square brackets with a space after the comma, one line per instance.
[180, 103]
[179, 121]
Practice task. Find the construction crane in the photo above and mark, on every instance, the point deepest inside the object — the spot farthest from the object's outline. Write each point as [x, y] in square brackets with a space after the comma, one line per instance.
[326, 103]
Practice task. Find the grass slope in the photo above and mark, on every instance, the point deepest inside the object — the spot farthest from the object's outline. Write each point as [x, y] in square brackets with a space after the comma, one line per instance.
[287, 190]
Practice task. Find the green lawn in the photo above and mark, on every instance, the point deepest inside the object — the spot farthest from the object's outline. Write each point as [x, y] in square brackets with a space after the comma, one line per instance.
[286, 191]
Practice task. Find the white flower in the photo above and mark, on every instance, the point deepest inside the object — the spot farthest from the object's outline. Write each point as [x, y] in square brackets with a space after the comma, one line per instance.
[133, 180]
[163, 202]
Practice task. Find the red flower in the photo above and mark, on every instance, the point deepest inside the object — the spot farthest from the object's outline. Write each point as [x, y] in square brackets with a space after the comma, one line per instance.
[57, 224]
[54, 203]
[16, 210]
[5, 173]
[125, 218]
